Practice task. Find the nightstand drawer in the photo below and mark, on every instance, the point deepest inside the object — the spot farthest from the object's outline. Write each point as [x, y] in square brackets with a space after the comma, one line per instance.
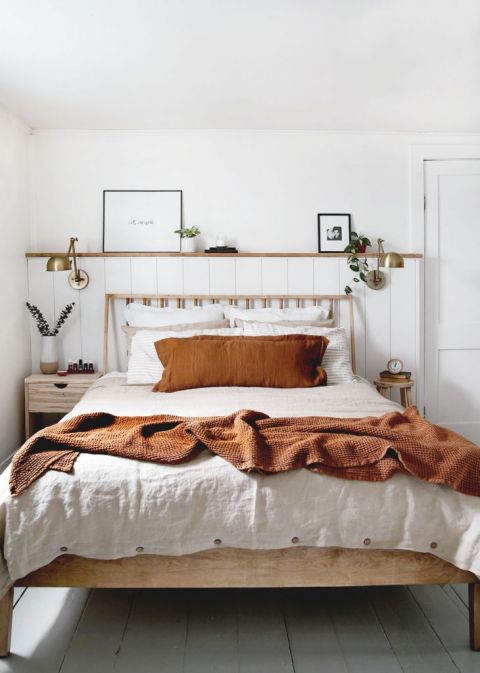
[49, 397]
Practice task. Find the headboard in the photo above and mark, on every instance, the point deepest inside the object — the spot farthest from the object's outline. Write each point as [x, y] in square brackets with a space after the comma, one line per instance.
[247, 301]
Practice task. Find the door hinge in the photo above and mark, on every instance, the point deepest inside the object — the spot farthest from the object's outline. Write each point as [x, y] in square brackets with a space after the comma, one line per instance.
[424, 412]
[424, 203]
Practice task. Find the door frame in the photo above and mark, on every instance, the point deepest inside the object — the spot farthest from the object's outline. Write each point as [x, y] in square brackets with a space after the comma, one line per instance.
[419, 155]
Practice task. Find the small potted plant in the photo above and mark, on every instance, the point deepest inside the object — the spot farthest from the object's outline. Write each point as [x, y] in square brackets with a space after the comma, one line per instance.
[188, 236]
[49, 350]
[358, 244]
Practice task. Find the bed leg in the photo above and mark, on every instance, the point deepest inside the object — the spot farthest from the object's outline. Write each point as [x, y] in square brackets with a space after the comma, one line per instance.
[474, 611]
[6, 609]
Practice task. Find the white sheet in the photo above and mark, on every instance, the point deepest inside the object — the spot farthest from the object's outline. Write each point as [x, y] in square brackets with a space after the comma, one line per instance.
[111, 506]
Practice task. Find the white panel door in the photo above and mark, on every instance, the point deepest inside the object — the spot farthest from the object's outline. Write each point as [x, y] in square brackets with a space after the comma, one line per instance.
[452, 292]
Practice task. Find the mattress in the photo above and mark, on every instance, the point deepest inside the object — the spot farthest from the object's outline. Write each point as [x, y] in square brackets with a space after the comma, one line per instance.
[112, 507]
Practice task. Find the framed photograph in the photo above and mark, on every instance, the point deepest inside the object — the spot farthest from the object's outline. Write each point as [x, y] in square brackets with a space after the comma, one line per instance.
[333, 232]
[141, 220]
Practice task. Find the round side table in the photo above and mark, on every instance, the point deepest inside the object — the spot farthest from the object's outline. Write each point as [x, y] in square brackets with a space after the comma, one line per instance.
[405, 388]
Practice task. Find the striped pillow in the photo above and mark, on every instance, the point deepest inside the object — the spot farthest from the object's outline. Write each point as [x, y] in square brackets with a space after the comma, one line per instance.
[336, 361]
[144, 366]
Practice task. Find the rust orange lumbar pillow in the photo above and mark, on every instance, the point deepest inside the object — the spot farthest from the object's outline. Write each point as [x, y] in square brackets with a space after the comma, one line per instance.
[287, 361]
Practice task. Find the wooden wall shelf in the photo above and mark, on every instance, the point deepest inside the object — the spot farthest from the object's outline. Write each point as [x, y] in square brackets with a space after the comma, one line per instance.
[409, 255]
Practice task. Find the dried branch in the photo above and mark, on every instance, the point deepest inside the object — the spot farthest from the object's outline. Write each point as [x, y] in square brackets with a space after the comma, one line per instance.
[42, 324]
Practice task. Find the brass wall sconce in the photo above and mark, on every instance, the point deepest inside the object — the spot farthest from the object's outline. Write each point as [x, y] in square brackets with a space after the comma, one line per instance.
[392, 260]
[78, 279]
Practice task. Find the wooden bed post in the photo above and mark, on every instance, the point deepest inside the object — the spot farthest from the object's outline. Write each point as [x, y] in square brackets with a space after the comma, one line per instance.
[474, 612]
[6, 608]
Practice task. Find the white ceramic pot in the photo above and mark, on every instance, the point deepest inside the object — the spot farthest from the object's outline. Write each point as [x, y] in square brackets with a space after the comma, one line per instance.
[49, 355]
[189, 245]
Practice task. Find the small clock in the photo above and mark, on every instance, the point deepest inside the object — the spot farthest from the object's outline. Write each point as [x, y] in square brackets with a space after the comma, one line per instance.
[395, 366]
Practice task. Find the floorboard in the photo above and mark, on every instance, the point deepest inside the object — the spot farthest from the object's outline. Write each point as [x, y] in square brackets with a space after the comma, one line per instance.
[375, 630]
[18, 592]
[415, 642]
[262, 637]
[450, 623]
[313, 639]
[98, 637]
[462, 592]
[156, 633]
[212, 640]
[43, 623]
[455, 598]
[360, 634]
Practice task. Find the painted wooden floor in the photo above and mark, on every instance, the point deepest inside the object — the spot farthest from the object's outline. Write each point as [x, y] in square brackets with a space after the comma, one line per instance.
[384, 630]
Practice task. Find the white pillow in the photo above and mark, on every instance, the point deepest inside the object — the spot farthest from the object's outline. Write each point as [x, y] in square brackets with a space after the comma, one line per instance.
[271, 315]
[336, 361]
[139, 315]
[145, 367]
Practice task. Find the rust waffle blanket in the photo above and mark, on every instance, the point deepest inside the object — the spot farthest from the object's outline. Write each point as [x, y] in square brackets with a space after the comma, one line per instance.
[368, 449]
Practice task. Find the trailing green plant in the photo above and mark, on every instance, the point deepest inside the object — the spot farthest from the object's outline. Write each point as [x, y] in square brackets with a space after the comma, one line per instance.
[188, 232]
[359, 266]
[42, 324]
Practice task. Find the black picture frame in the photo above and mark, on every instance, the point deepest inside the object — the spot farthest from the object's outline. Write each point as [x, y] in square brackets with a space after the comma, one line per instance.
[334, 231]
[173, 241]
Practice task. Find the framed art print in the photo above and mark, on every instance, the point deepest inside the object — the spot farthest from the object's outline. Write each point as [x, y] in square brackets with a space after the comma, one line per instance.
[141, 220]
[333, 232]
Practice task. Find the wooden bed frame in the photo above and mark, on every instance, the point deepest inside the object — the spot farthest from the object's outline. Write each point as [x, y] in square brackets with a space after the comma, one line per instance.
[242, 568]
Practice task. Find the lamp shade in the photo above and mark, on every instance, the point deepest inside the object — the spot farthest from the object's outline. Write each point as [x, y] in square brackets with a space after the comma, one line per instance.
[59, 263]
[392, 260]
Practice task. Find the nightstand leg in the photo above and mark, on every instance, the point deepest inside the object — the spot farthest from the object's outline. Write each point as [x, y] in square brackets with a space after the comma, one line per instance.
[28, 418]
[29, 425]
[383, 391]
[405, 397]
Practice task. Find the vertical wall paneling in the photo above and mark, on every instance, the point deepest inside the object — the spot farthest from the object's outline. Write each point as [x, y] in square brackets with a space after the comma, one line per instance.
[274, 275]
[40, 293]
[91, 310]
[70, 335]
[403, 314]
[170, 275]
[248, 271]
[359, 292]
[300, 275]
[388, 322]
[118, 278]
[196, 275]
[144, 275]
[118, 274]
[377, 329]
[326, 276]
[222, 275]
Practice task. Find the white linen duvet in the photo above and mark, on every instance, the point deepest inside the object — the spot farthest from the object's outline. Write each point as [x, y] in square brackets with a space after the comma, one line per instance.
[108, 507]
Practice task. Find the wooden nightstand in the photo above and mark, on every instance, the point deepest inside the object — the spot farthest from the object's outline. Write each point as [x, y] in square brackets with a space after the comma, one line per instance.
[405, 389]
[49, 393]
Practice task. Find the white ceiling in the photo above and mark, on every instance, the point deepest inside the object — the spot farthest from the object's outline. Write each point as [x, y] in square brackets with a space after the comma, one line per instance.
[365, 65]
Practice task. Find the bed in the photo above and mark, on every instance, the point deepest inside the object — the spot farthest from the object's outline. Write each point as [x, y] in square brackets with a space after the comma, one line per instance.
[206, 524]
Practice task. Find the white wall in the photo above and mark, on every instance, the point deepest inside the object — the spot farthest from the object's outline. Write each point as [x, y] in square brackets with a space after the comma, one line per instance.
[14, 230]
[263, 189]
